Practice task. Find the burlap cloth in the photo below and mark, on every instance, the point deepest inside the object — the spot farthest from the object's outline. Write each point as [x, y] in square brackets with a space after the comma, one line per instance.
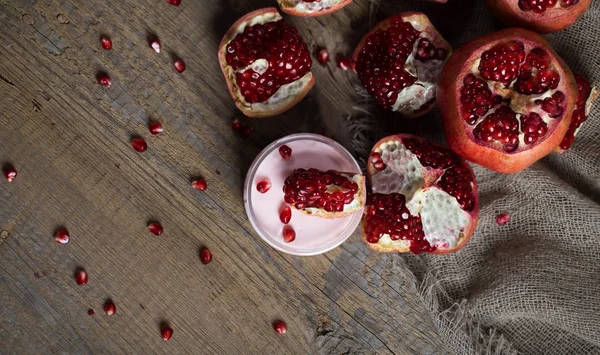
[533, 285]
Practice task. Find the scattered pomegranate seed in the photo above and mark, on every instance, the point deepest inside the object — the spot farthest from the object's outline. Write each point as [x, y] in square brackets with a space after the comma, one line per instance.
[199, 184]
[323, 56]
[285, 152]
[155, 228]
[289, 234]
[10, 172]
[345, 63]
[139, 144]
[104, 80]
[91, 312]
[62, 236]
[166, 332]
[174, 2]
[236, 124]
[81, 277]
[155, 44]
[280, 327]
[156, 128]
[106, 43]
[179, 65]
[263, 186]
[110, 308]
[286, 215]
[205, 256]
[502, 218]
[246, 131]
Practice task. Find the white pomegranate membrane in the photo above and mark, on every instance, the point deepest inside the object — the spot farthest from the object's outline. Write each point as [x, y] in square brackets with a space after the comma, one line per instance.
[423, 197]
[314, 235]
[310, 6]
[400, 64]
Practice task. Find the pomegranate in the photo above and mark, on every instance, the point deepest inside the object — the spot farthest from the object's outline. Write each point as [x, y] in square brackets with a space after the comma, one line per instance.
[155, 228]
[265, 63]
[424, 197]
[289, 234]
[263, 186]
[286, 215]
[10, 173]
[205, 256]
[155, 44]
[346, 63]
[106, 43]
[62, 236]
[236, 124]
[311, 7]
[586, 95]
[323, 56]
[399, 62]
[506, 100]
[280, 327]
[199, 184]
[179, 65]
[542, 16]
[81, 277]
[502, 218]
[285, 152]
[326, 194]
[139, 144]
[110, 308]
[104, 80]
[156, 128]
[166, 332]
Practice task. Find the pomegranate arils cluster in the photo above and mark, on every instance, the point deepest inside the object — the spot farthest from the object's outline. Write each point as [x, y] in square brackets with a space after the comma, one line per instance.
[316, 189]
[476, 99]
[502, 126]
[541, 6]
[501, 62]
[584, 91]
[280, 45]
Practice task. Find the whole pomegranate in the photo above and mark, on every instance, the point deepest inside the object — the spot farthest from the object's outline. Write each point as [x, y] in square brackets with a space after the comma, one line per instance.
[542, 16]
[399, 62]
[506, 100]
[311, 7]
[265, 63]
[424, 197]
[585, 99]
[328, 194]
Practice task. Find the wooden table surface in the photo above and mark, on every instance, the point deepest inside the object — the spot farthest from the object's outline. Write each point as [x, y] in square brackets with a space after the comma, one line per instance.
[69, 139]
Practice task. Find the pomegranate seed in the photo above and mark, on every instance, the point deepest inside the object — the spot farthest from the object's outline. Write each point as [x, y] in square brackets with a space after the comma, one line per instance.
[91, 312]
[139, 144]
[106, 43]
[323, 56]
[156, 128]
[104, 80]
[62, 236]
[236, 124]
[246, 131]
[205, 256]
[289, 234]
[155, 44]
[155, 228]
[10, 172]
[280, 327]
[285, 152]
[263, 186]
[166, 332]
[110, 308]
[179, 65]
[81, 277]
[199, 184]
[174, 2]
[286, 215]
[502, 218]
[345, 63]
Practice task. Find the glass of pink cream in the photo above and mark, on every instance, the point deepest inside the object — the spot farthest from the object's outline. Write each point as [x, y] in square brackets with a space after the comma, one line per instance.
[314, 235]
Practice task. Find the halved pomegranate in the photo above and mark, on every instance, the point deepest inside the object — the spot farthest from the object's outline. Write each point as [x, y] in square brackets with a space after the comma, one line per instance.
[311, 7]
[506, 100]
[542, 16]
[328, 194]
[423, 197]
[586, 95]
[399, 62]
[265, 63]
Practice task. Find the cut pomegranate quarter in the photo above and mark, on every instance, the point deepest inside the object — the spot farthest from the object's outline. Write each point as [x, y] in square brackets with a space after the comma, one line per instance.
[399, 63]
[542, 16]
[311, 7]
[265, 63]
[586, 96]
[506, 100]
[424, 197]
[325, 194]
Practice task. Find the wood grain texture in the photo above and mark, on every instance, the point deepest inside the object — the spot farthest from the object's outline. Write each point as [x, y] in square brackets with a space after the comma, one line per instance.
[69, 139]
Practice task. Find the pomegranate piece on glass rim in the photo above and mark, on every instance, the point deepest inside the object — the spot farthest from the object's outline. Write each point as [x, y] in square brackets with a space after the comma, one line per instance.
[506, 100]
[311, 7]
[542, 16]
[424, 197]
[265, 63]
[399, 62]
